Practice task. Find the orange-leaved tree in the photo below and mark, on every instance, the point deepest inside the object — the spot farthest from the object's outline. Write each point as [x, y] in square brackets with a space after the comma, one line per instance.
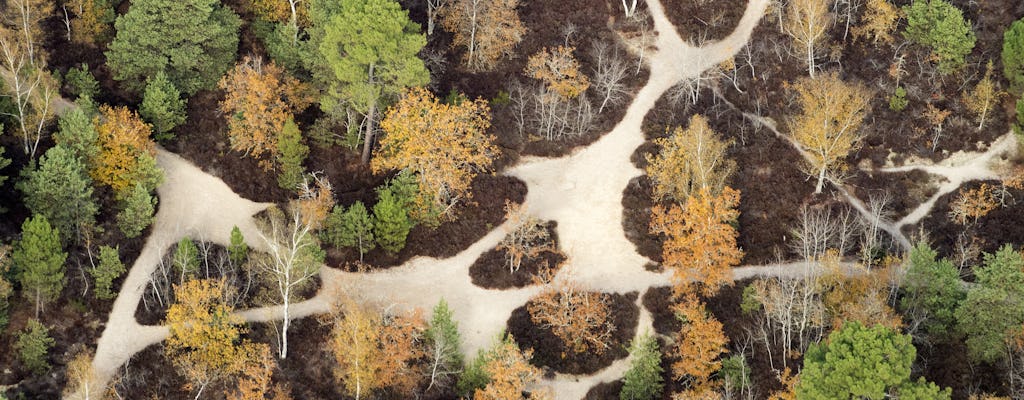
[510, 372]
[254, 377]
[126, 153]
[581, 319]
[699, 344]
[559, 70]
[445, 145]
[700, 240]
[488, 29]
[690, 160]
[259, 98]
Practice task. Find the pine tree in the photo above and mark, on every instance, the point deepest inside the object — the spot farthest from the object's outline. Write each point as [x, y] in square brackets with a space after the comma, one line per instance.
[32, 345]
[443, 345]
[238, 251]
[1013, 55]
[39, 261]
[162, 106]
[932, 292]
[6, 289]
[940, 26]
[186, 259]
[136, 212]
[108, 269]
[642, 380]
[292, 154]
[392, 223]
[61, 190]
[76, 132]
[351, 228]
[994, 306]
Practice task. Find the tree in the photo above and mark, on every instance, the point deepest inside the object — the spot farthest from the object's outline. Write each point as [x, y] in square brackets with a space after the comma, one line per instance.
[258, 102]
[293, 12]
[559, 102]
[193, 42]
[26, 16]
[136, 213]
[581, 319]
[983, 97]
[509, 370]
[1013, 55]
[6, 289]
[857, 362]
[32, 345]
[879, 21]
[642, 380]
[828, 126]
[807, 23]
[489, 30]
[444, 356]
[162, 106]
[700, 245]
[443, 144]
[972, 204]
[60, 190]
[292, 154]
[76, 132]
[292, 260]
[526, 237]
[473, 377]
[374, 351]
[4, 162]
[352, 228]
[940, 26]
[109, 268]
[932, 291]
[690, 160]
[254, 376]
[370, 47]
[92, 23]
[699, 343]
[238, 251]
[81, 83]
[30, 88]
[80, 377]
[559, 70]
[994, 307]
[204, 337]
[391, 220]
[126, 155]
[1018, 127]
[39, 261]
[186, 259]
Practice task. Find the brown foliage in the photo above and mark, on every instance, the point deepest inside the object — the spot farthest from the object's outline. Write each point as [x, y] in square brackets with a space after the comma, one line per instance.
[972, 204]
[374, 351]
[700, 245]
[861, 296]
[526, 236]
[789, 381]
[315, 201]
[122, 138]
[581, 319]
[88, 26]
[258, 99]
[254, 377]
[488, 29]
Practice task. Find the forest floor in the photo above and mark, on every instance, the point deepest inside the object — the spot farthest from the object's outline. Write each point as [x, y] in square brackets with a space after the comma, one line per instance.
[581, 192]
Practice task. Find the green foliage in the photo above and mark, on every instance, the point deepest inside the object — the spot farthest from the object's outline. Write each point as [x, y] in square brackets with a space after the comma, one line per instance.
[108, 269]
[351, 228]
[443, 338]
[750, 303]
[940, 26]
[162, 106]
[474, 377]
[4, 162]
[146, 173]
[736, 372]
[643, 379]
[932, 292]
[6, 289]
[186, 259]
[81, 83]
[39, 261]
[857, 362]
[193, 41]
[60, 190]
[292, 154]
[1013, 55]
[898, 101]
[278, 40]
[392, 223]
[136, 213]
[1018, 127]
[501, 99]
[32, 345]
[370, 48]
[923, 390]
[76, 132]
[994, 307]
[238, 251]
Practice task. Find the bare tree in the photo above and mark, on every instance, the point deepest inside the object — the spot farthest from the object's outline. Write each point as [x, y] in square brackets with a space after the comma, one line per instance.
[629, 6]
[609, 73]
[433, 8]
[872, 236]
[819, 231]
[795, 314]
[526, 236]
[807, 23]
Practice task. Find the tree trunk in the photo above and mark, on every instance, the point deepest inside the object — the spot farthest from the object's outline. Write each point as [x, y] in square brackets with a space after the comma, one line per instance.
[810, 59]
[284, 329]
[821, 181]
[368, 136]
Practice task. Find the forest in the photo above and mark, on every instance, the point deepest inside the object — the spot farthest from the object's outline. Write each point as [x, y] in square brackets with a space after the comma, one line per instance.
[506, 199]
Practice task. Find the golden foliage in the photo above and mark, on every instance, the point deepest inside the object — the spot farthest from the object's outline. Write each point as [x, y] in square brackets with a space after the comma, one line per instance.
[315, 201]
[862, 296]
[879, 21]
[581, 319]
[972, 204]
[983, 97]
[510, 372]
[698, 346]
[374, 351]
[26, 16]
[258, 99]
[488, 29]
[445, 145]
[122, 138]
[700, 245]
[88, 26]
[255, 372]
[526, 237]
[281, 10]
[807, 22]
[829, 122]
[80, 376]
[789, 381]
[560, 72]
[690, 160]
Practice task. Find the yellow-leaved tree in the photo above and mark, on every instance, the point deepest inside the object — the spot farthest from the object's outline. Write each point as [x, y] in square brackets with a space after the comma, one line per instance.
[700, 240]
[983, 97]
[807, 22]
[488, 29]
[510, 372]
[126, 154]
[828, 125]
[559, 70]
[445, 145]
[878, 22]
[690, 159]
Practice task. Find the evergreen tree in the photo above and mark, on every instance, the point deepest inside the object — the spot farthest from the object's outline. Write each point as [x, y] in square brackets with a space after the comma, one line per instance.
[352, 228]
[994, 307]
[60, 190]
[39, 261]
[136, 211]
[292, 154]
[76, 132]
[108, 269]
[1013, 55]
[643, 379]
[238, 251]
[940, 26]
[474, 377]
[932, 291]
[4, 162]
[162, 106]
[6, 289]
[392, 223]
[443, 341]
[32, 345]
[193, 41]
[81, 82]
[1018, 127]
[186, 259]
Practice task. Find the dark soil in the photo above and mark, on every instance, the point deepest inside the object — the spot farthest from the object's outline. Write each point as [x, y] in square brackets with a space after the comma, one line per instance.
[700, 21]
[605, 391]
[490, 271]
[636, 218]
[904, 190]
[1004, 225]
[550, 352]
